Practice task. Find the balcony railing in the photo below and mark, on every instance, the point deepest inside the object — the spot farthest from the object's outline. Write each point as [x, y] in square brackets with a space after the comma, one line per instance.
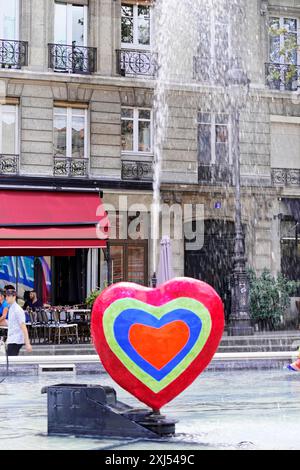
[138, 171]
[282, 76]
[72, 59]
[9, 164]
[286, 177]
[71, 167]
[211, 71]
[215, 174]
[13, 54]
[131, 63]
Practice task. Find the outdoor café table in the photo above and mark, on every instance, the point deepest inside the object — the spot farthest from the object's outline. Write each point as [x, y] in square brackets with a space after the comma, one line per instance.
[79, 314]
[83, 318]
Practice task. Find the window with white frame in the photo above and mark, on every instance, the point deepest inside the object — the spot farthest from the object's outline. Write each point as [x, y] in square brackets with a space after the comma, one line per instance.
[136, 124]
[213, 139]
[70, 132]
[9, 143]
[70, 24]
[9, 19]
[136, 26]
[283, 33]
[214, 41]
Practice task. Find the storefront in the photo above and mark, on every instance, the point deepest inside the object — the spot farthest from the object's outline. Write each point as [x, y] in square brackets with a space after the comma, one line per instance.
[290, 239]
[53, 241]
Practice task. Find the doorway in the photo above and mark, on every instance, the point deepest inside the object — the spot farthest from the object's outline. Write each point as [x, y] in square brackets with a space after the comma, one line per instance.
[213, 263]
[129, 261]
[69, 278]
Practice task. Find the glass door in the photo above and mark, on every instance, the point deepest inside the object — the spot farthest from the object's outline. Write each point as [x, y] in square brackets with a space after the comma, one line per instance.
[136, 258]
[129, 262]
[8, 130]
[283, 50]
[136, 26]
[9, 26]
[70, 25]
[70, 37]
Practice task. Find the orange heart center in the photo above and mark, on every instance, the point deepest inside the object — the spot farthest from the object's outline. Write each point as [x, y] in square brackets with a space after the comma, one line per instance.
[158, 346]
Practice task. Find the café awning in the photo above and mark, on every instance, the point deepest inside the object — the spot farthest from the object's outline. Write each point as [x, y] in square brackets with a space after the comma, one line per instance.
[40, 223]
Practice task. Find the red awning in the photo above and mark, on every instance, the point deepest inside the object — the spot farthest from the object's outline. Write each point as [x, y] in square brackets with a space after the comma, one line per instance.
[33, 222]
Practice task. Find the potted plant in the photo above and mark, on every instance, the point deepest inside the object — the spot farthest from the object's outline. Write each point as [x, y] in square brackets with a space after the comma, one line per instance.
[92, 297]
[269, 298]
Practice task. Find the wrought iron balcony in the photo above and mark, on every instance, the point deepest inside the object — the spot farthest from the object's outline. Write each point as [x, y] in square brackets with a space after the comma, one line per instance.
[70, 167]
[138, 171]
[72, 59]
[9, 164]
[13, 54]
[131, 63]
[286, 177]
[283, 77]
[215, 174]
[211, 71]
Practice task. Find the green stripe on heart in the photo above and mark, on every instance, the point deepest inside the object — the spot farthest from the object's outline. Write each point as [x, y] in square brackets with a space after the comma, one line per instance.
[117, 307]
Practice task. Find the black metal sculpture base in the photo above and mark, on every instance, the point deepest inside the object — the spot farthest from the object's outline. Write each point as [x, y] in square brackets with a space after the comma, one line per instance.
[92, 410]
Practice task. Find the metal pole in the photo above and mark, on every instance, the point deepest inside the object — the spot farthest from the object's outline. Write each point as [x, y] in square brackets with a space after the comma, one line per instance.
[109, 270]
[17, 276]
[240, 322]
[154, 281]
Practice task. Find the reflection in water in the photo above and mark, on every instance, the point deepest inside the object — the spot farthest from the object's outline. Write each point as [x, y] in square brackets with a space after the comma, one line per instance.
[231, 410]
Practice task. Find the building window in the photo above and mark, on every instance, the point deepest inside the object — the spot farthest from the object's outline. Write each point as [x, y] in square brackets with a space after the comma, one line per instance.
[212, 60]
[13, 53]
[282, 70]
[70, 53]
[70, 24]
[136, 130]
[213, 139]
[128, 247]
[283, 40]
[129, 262]
[9, 24]
[9, 144]
[290, 246]
[136, 26]
[215, 34]
[70, 132]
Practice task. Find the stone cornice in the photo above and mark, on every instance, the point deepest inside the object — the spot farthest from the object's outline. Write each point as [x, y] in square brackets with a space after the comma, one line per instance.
[274, 9]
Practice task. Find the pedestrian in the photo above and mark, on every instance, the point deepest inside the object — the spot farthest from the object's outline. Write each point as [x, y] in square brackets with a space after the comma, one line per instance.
[17, 331]
[3, 308]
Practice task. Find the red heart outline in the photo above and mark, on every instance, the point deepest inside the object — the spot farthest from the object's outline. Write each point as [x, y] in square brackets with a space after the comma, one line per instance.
[178, 287]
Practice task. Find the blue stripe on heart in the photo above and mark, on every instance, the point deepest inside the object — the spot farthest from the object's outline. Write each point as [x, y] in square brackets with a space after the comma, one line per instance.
[132, 316]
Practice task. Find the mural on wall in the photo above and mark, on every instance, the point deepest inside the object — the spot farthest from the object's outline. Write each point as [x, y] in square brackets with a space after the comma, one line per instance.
[155, 342]
[21, 271]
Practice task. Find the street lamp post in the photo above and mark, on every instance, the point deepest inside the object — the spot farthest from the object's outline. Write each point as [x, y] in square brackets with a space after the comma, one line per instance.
[239, 321]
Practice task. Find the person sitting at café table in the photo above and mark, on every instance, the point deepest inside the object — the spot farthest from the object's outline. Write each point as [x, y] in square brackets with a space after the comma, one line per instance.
[33, 302]
[3, 308]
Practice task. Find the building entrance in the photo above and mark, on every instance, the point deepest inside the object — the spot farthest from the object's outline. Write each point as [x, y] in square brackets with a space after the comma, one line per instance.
[213, 263]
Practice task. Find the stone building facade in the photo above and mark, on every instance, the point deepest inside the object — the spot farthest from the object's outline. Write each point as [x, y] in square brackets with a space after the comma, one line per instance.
[77, 82]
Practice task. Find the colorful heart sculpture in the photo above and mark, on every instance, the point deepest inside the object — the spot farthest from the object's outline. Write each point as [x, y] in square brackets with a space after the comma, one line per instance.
[155, 342]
